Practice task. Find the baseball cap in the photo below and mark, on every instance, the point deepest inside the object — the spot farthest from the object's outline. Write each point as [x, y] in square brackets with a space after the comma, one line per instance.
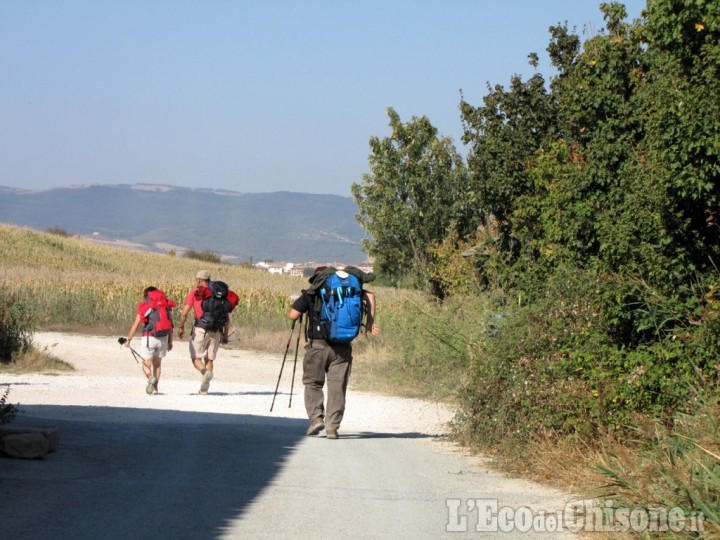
[203, 274]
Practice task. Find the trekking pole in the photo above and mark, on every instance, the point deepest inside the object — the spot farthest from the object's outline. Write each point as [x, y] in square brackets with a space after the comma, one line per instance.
[292, 329]
[297, 346]
[122, 341]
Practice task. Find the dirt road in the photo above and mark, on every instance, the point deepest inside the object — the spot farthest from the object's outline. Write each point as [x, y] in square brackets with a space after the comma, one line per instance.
[181, 465]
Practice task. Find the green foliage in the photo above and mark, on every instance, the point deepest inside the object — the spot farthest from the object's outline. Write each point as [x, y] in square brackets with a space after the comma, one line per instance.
[411, 199]
[454, 273]
[431, 341]
[590, 205]
[16, 325]
[559, 365]
[503, 135]
[8, 411]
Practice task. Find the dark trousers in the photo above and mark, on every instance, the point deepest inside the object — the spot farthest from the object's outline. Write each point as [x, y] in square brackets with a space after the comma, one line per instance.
[332, 362]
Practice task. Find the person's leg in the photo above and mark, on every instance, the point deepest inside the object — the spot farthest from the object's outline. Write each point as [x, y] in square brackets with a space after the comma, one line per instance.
[212, 344]
[147, 353]
[314, 380]
[146, 367]
[198, 348]
[160, 349]
[338, 375]
[157, 368]
[199, 364]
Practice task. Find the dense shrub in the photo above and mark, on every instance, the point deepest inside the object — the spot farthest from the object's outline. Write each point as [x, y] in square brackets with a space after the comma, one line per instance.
[8, 411]
[16, 324]
[557, 366]
[204, 256]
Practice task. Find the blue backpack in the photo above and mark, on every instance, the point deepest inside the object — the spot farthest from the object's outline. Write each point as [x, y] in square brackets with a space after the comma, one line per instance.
[341, 307]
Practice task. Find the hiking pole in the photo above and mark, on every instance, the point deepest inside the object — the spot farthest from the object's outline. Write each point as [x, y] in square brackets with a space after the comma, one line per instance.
[122, 341]
[292, 329]
[297, 346]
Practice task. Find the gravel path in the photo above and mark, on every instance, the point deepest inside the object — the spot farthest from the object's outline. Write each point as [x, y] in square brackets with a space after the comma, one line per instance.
[181, 465]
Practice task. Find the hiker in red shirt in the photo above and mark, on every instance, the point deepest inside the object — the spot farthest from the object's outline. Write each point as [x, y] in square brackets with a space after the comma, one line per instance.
[155, 315]
[205, 339]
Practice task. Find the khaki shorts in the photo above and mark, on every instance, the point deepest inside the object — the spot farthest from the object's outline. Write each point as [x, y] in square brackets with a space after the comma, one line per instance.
[153, 347]
[204, 344]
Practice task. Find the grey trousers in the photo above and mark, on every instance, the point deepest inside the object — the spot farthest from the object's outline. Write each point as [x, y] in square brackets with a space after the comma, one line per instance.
[332, 362]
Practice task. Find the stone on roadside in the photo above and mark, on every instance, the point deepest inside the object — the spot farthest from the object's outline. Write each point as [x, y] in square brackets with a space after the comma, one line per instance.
[25, 445]
[52, 434]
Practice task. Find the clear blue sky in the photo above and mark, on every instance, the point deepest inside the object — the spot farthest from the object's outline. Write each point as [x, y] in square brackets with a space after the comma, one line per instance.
[248, 95]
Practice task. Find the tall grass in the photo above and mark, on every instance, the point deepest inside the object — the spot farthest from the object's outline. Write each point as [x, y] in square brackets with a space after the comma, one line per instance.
[73, 284]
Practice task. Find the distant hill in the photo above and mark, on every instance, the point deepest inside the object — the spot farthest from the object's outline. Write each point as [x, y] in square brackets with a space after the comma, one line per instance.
[280, 226]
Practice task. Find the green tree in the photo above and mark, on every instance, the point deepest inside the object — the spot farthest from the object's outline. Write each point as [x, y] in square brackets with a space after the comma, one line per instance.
[504, 135]
[412, 199]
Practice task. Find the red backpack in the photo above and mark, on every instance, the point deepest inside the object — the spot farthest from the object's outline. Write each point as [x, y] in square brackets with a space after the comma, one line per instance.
[158, 314]
[202, 292]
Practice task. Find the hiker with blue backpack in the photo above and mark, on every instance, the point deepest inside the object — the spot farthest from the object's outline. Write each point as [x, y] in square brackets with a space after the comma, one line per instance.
[337, 307]
[154, 313]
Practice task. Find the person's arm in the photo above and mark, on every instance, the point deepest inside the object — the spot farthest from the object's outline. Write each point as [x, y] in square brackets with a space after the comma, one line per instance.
[299, 306]
[183, 318]
[226, 332]
[170, 341]
[136, 324]
[370, 326]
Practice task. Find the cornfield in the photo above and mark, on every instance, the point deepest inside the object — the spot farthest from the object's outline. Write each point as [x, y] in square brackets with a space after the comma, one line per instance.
[74, 284]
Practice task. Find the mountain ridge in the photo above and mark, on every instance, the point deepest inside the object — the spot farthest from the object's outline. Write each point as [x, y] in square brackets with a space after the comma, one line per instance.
[277, 226]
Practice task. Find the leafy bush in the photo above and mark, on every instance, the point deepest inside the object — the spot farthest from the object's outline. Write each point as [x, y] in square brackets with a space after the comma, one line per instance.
[58, 231]
[557, 366]
[205, 256]
[16, 325]
[8, 411]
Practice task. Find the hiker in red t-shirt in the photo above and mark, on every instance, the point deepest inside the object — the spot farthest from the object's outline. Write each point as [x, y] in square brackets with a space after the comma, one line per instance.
[156, 339]
[204, 343]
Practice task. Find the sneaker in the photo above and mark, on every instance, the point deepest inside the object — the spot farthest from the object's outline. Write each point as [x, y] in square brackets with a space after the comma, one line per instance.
[151, 385]
[316, 426]
[155, 384]
[207, 377]
[331, 434]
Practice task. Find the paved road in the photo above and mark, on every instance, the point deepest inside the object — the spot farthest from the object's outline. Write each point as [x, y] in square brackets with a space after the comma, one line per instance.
[179, 465]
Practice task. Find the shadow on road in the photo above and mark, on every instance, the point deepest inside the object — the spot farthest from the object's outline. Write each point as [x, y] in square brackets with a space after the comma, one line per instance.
[145, 473]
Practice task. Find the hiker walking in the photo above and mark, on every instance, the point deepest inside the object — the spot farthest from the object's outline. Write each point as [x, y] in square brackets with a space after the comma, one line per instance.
[335, 304]
[154, 313]
[211, 309]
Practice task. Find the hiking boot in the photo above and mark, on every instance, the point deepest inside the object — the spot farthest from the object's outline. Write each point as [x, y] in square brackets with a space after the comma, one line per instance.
[331, 434]
[207, 377]
[316, 426]
[151, 385]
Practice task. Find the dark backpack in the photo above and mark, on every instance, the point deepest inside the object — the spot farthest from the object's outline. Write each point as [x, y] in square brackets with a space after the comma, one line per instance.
[216, 307]
[339, 306]
[159, 315]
